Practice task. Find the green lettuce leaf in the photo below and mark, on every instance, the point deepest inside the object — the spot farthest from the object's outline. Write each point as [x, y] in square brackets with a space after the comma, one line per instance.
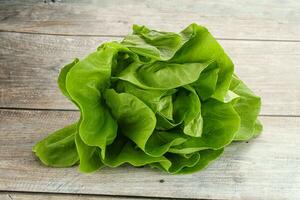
[58, 149]
[167, 100]
[248, 107]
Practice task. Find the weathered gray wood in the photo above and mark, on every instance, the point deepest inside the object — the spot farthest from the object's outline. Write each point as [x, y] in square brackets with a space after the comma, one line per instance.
[29, 66]
[236, 19]
[40, 196]
[265, 168]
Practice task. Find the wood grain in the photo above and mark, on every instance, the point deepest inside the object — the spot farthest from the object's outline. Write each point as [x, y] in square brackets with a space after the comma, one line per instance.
[233, 19]
[264, 168]
[262, 38]
[43, 196]
[29, 66]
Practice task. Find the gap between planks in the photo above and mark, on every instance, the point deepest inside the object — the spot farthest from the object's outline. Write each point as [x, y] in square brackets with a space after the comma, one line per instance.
[122, 36]
[75, 110]
[24, 195]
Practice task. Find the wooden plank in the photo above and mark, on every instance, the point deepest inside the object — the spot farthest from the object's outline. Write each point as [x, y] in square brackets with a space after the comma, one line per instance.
[268, 20]
[29, 66]
[264, 168]
[41, 196]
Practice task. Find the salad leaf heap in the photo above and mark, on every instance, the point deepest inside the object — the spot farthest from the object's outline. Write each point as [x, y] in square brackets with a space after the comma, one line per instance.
[163, 99]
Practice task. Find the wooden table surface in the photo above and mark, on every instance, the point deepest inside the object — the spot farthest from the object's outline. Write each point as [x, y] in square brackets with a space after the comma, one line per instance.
[38, 37]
